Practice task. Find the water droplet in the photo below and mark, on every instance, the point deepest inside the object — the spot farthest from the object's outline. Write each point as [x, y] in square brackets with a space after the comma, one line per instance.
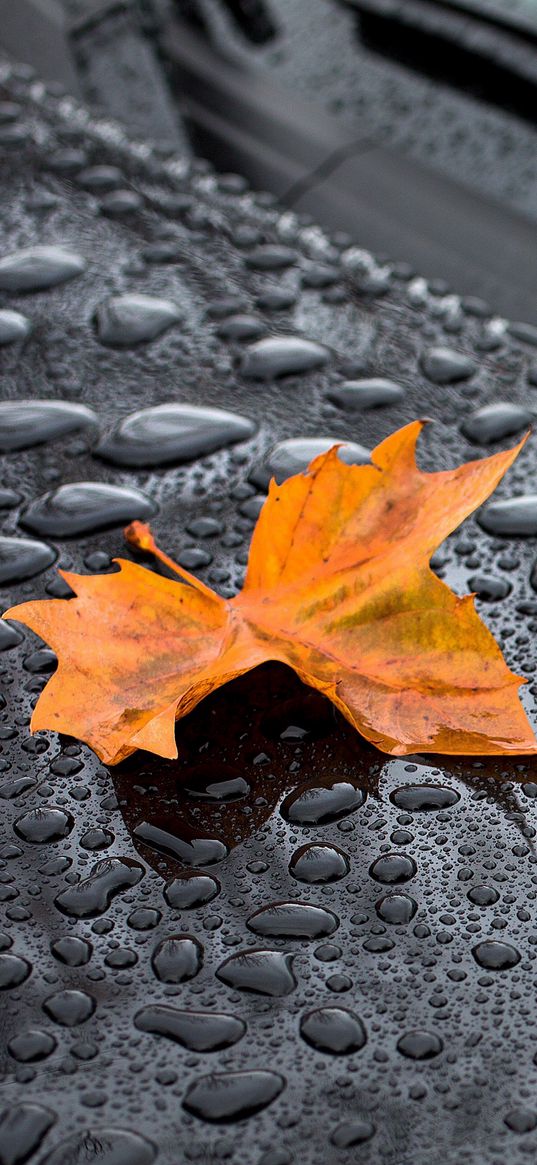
[420, 1045]
[352, 1132]
[72, 951]
[282, 356]
[25, 423]
[96, 838]
[31, 1046]
[510, 517]
[37, 268]
[13, 971]
[320, 275]
[259, 972]
[241, 327]
[83, 507]
[105, 1146]
[199, 1031]
[496, 956]
[13, 327]
[69, 1008]
[293, 920]
[396, 908]
[489, 588]
[366, 394]
[22, 558]
[22, 1130]
[393, 868]
[9, 636]
[232, 1096]
[483, 895]
[44, 825]
[270, 257]
[177, 958]
[173, 433]
[294, 456]
[422, 798]
[444, 366]
[144, 918]
[189, 891]
[121, 202]
[322, 803]
[276, 299]
[99, 177]
[496, 421]
[521, 1120]
[334, 1030]
[125, 320]
[315, 863]
[93, 895]
[191, 850]
[206, 784]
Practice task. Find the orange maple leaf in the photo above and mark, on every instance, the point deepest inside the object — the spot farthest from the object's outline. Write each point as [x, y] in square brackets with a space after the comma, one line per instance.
[338, 587]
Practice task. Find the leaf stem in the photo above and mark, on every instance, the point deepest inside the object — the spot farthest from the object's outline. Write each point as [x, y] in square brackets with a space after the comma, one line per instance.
[140, 536]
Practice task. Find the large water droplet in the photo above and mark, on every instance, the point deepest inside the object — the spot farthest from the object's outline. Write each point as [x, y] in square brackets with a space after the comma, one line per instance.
[495, 422]
[271, 257]
[282, 356]
[334, 1030]
[318, 863]
[103, 1145]
[423, 798]
[296, 454]
[13, 971]
[420, 1045]
[260, 972]
[173, 433]
[191, 850]
[510, 517]
[13, 326]
[24, 423]
[44, 825]
[232, 1096]
[319, 804]
[366, 394]
[69, 1008]
[83, 507]
[393, 868]
[521, 1120]
[126, 320]
[36, 268]
[22, 1130]
[177, 958]
[396, 908]
[444, 366]
[31, 1046]
[495, 955]
[489, 588]
[189, 891]
[293, 920]
[93, 895]
[241, 327]
[22, 558]
[199, 1031]
[72, 951]
[352, 1132]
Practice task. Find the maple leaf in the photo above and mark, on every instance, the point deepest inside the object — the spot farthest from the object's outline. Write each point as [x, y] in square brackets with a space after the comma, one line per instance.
[338, 587]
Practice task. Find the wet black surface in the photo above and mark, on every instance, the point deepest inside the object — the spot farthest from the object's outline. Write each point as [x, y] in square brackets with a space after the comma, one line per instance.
[352, 978]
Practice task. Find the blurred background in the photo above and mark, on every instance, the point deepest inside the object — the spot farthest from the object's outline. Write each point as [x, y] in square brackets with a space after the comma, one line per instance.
[409, 125]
